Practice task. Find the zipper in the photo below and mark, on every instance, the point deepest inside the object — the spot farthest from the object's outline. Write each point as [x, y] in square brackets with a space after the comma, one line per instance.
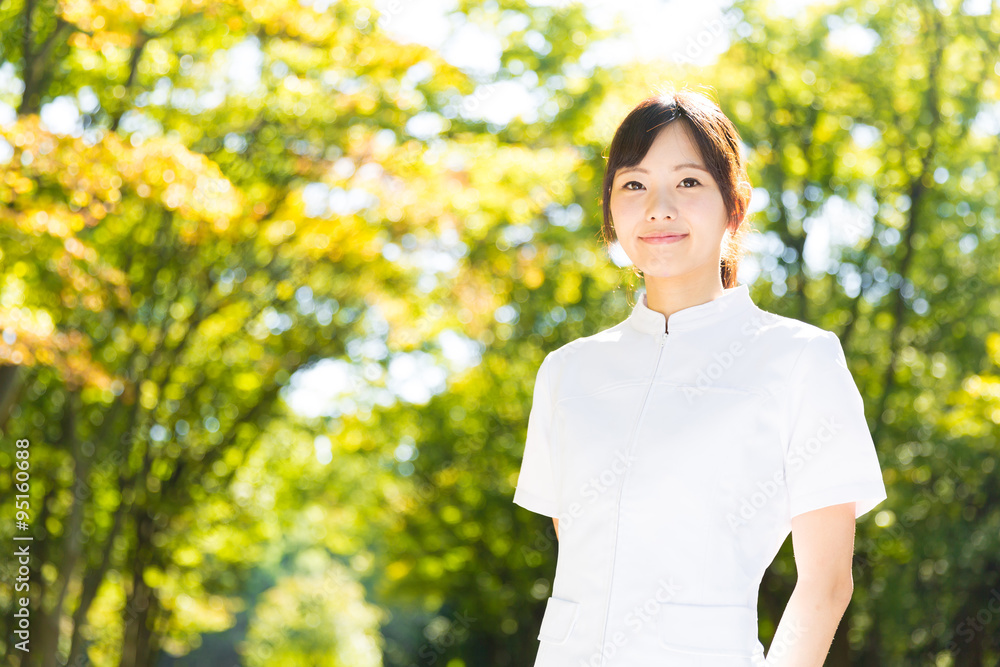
[618, 501]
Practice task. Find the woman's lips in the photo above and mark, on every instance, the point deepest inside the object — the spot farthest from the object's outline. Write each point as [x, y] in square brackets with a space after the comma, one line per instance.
[668, 238]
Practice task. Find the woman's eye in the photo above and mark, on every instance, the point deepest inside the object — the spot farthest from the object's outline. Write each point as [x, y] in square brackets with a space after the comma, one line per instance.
[694, 181]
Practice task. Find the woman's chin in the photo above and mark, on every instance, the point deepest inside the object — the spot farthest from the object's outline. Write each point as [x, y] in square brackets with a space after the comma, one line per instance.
[660, 272]
[655, 269]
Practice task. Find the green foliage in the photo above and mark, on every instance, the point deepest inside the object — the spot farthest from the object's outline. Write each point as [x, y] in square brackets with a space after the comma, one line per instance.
[318, 617]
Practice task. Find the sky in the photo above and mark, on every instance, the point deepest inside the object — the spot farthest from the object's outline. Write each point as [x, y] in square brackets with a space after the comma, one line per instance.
[658, 29]
[671, 31]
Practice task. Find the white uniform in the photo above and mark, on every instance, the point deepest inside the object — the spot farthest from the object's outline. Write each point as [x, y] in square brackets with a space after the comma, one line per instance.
[674, 463]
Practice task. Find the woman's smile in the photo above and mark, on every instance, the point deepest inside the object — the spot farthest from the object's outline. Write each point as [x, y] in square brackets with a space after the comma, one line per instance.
[665, 238]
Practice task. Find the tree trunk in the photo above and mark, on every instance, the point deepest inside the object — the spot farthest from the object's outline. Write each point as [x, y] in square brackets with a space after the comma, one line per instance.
[10, 387]
[135, 644]
[37, 59]
[71, 544]
[91, 583]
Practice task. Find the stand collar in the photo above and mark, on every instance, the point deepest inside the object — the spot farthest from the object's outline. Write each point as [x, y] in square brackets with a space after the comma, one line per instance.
[733, 301]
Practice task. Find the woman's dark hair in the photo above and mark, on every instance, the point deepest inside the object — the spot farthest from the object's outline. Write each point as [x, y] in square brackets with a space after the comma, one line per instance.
[720, 147]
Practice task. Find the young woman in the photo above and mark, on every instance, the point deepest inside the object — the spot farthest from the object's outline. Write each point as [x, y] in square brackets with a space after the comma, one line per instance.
[676, 450]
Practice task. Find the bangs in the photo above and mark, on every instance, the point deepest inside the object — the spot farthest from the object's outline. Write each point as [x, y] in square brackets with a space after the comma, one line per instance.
[638, 132]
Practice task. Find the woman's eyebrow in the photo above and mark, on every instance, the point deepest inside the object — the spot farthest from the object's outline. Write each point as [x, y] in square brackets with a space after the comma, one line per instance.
[689, 165]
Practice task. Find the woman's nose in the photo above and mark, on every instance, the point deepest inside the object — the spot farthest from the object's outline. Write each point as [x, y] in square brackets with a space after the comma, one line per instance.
[661, 207]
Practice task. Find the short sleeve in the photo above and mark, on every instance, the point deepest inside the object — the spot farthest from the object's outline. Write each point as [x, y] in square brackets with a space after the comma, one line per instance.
[536, 488]
[830, 457]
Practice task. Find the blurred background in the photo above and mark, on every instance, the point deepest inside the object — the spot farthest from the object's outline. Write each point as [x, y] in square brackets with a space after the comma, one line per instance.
[276, 277]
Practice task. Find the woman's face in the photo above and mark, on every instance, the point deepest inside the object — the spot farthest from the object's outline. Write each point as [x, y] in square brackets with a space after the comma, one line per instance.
[667, 211]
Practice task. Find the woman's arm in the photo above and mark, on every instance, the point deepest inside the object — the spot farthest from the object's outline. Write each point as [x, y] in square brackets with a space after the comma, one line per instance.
[555, 522]
[823, 543]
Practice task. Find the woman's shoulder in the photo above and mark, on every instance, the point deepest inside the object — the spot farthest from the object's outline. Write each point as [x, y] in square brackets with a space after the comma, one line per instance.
[784, 330]
[584, 346]
[797, 347]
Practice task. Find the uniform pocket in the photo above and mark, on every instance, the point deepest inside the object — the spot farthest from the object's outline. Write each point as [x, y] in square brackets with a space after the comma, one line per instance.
[710, 630]
[558, 621]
